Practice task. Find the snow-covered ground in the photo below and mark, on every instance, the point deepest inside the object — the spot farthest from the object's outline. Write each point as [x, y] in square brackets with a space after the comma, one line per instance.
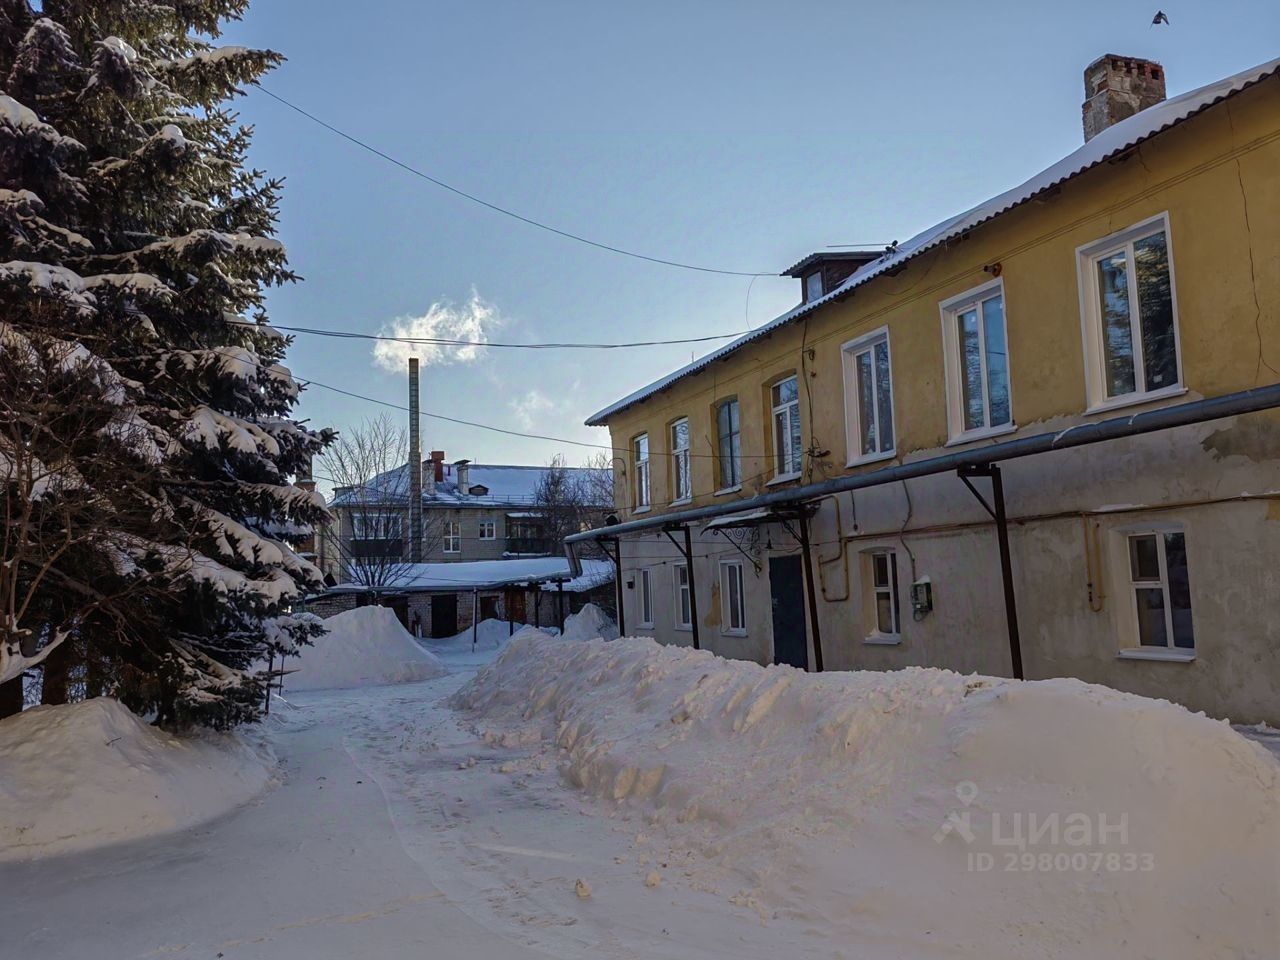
[83, 775]
[587, 799]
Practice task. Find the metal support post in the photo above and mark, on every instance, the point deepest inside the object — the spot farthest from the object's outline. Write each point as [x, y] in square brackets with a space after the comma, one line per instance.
[997, 511]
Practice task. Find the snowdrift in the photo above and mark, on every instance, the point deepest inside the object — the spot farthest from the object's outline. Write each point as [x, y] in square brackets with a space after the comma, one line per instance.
[87, 774]
[589, 623]
[364, 647]
[916, 813]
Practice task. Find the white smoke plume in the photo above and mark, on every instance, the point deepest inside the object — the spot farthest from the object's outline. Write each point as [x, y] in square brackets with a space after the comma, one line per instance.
[472, 321]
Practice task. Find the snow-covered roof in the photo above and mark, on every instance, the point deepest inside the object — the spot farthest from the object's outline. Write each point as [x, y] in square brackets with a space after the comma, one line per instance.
[595, 573]
[507, 485]
[1112, 141]
[486, 575]
[740, 519]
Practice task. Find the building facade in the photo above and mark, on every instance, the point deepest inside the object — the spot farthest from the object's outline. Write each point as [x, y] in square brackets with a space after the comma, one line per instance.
[470, 512]
[1140, 273]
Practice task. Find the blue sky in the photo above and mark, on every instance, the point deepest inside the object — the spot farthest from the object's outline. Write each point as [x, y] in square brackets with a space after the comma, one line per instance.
[740, 135]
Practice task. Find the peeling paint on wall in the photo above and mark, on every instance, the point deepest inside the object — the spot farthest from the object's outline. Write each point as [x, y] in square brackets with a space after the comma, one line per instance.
[1256, 437]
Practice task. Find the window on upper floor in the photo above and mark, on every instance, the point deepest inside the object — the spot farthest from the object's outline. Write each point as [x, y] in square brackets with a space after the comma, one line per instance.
[813, 285]
[976, 355]
[729, 444]
[733, 603]
[1130, 316]
[684, 604]
[640, 455]
[787, 446]
[1161, 589]
[377, 526]
[452, 536]
[868, 398]
[681, 481]
[488, 530]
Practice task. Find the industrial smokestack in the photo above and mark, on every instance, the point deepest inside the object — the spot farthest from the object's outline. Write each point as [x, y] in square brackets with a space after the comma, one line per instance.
[415, 468]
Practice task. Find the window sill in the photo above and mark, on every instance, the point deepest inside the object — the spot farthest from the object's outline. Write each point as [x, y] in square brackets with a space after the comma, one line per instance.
[1134, 399]
[682, 502]
[733, 633]
[644, 626]
[1170, 655]
[883, 640]
[724, 492]
[871, 458]
[638, 510]
[679, 629]
[972, 435]
[783, 478]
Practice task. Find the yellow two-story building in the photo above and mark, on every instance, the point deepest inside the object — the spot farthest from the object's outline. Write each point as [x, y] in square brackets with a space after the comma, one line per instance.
[1040, 438]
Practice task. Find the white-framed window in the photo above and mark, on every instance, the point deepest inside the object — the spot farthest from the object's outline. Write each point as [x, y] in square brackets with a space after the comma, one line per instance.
[1161, 589]
[813, 285]
[377, 526]
[684, 601]
[868, 390]
[488, 530]
[976, 353]
[884, 620]
[1130, 316]
[733, 604]
[787, 445]
[681, 481]
[452, 536]
[640, 454]
[729, 444]
[644, 581]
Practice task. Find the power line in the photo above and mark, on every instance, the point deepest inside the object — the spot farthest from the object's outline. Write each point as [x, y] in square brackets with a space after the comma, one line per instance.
[503, 210]
[448, 342]
[472, 423]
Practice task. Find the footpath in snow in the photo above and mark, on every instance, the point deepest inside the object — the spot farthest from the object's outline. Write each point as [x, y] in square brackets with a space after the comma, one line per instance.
[585, 799]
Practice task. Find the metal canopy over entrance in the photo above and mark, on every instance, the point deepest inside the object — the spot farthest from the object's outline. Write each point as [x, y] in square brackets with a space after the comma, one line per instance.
[979, 462]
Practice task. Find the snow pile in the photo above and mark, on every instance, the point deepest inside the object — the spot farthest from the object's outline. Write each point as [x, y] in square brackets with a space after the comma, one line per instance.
[916, 813]
[87, 774]
[490, 635]
[364, 647]
[589, 623]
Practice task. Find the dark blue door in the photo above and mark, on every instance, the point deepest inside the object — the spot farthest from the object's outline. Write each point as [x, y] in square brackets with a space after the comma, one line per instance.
[790, 637]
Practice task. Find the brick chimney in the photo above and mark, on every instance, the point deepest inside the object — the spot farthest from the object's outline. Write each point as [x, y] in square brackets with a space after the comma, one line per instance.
[428, 478]
[1117, 87]
[437, 460]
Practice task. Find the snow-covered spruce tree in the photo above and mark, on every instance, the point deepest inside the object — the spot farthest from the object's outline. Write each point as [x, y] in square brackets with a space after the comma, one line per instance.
[147, 440]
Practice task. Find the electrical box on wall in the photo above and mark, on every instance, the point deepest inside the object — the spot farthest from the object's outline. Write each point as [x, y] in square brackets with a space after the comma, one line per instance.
[921, 598]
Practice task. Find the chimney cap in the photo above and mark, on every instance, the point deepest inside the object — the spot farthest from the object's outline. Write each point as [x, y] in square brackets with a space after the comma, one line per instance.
[1118, 62]
[461, 463]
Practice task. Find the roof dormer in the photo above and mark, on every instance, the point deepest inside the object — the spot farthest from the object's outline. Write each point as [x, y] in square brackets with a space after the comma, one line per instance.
[820, 273]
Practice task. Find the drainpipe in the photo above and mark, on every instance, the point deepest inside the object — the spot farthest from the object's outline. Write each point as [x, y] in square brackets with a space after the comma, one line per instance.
[811, 593]
[617, 585]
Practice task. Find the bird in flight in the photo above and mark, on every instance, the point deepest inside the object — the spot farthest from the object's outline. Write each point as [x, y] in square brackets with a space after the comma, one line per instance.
[1159, 18]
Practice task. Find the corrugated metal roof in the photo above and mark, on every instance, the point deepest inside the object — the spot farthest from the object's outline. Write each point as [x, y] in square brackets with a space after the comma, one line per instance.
[1111, 142]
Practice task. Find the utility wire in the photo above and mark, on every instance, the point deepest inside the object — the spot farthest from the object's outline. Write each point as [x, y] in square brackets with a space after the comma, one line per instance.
[448, 342]
[503, 210]
[303, 381]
